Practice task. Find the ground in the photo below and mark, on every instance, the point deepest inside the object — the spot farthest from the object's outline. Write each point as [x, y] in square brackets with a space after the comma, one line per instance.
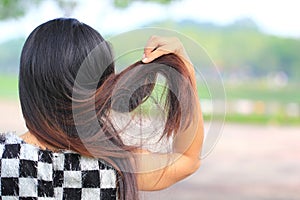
[249, 162]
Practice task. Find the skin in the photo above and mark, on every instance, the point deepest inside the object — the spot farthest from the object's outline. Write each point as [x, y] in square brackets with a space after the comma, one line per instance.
[159, 171]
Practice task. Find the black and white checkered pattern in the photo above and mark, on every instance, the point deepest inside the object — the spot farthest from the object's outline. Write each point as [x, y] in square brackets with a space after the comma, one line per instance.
[27, 172]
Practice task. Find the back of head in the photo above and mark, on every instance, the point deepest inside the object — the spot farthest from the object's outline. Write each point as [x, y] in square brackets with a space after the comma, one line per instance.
[50, 60]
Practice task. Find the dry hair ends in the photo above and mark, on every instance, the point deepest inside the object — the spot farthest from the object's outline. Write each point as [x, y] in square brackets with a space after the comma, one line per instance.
[53, 101]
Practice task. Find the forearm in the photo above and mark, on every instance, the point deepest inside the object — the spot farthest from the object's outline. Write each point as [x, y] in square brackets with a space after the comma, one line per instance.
[189, 142]
[159, 171]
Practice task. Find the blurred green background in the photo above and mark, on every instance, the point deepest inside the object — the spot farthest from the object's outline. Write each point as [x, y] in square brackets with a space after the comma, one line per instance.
[260, 71]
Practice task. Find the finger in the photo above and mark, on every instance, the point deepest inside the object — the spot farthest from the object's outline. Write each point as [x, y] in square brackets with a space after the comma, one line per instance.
[152, 44]
[157, 53]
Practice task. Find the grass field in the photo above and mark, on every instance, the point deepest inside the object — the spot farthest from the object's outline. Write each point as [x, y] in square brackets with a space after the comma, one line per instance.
[263, 91]
[254, 91]
[8, 87]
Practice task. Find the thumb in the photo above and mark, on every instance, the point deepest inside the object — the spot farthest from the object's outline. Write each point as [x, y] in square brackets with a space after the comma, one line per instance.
[155, 54]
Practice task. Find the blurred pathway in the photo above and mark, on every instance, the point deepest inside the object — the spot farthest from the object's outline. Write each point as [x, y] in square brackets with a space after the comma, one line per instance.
[11, 118]
[248, 163]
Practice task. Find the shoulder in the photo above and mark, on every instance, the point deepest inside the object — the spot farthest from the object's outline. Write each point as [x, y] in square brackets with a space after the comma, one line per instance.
[10, 138]
[13, 147]
[10, 145]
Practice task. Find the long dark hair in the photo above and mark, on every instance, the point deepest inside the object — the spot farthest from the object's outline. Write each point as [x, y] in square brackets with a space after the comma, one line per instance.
[61, 102]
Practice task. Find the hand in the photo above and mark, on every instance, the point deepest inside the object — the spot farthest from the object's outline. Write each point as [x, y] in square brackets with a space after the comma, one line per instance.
[158, 46]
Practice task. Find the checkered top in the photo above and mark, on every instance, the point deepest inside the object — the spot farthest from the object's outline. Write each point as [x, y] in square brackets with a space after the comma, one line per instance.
[27, 172]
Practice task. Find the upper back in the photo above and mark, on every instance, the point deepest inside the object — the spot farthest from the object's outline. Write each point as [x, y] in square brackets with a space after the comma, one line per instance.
[27, 171]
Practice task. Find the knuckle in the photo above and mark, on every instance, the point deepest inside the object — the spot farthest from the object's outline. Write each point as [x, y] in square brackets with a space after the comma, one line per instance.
[153, 37]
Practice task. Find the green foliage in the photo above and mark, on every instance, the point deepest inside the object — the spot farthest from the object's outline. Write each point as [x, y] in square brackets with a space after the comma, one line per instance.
[18, 8]
[241, 47]
[259, 119]
[263, 91]
[121, 3]
[126, 3]
[15, 8]
[235, 50]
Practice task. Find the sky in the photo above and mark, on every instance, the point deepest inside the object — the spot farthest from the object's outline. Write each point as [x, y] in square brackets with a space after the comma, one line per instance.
[280, 17]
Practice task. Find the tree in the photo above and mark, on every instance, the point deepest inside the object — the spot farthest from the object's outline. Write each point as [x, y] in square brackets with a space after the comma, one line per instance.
[126, 3]
[14, 8]
[17, 8]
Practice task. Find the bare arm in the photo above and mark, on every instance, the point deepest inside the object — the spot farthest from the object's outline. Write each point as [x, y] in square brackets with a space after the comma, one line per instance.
[159, 171]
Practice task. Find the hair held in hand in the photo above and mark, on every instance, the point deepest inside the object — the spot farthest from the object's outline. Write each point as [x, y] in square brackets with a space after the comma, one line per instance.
[71, 114]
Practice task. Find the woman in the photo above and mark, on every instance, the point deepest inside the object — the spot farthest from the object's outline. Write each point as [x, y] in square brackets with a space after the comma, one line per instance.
[68, 89]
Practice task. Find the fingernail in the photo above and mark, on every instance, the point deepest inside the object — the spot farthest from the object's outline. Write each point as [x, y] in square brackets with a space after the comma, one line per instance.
[144, 56]
[145, 59]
